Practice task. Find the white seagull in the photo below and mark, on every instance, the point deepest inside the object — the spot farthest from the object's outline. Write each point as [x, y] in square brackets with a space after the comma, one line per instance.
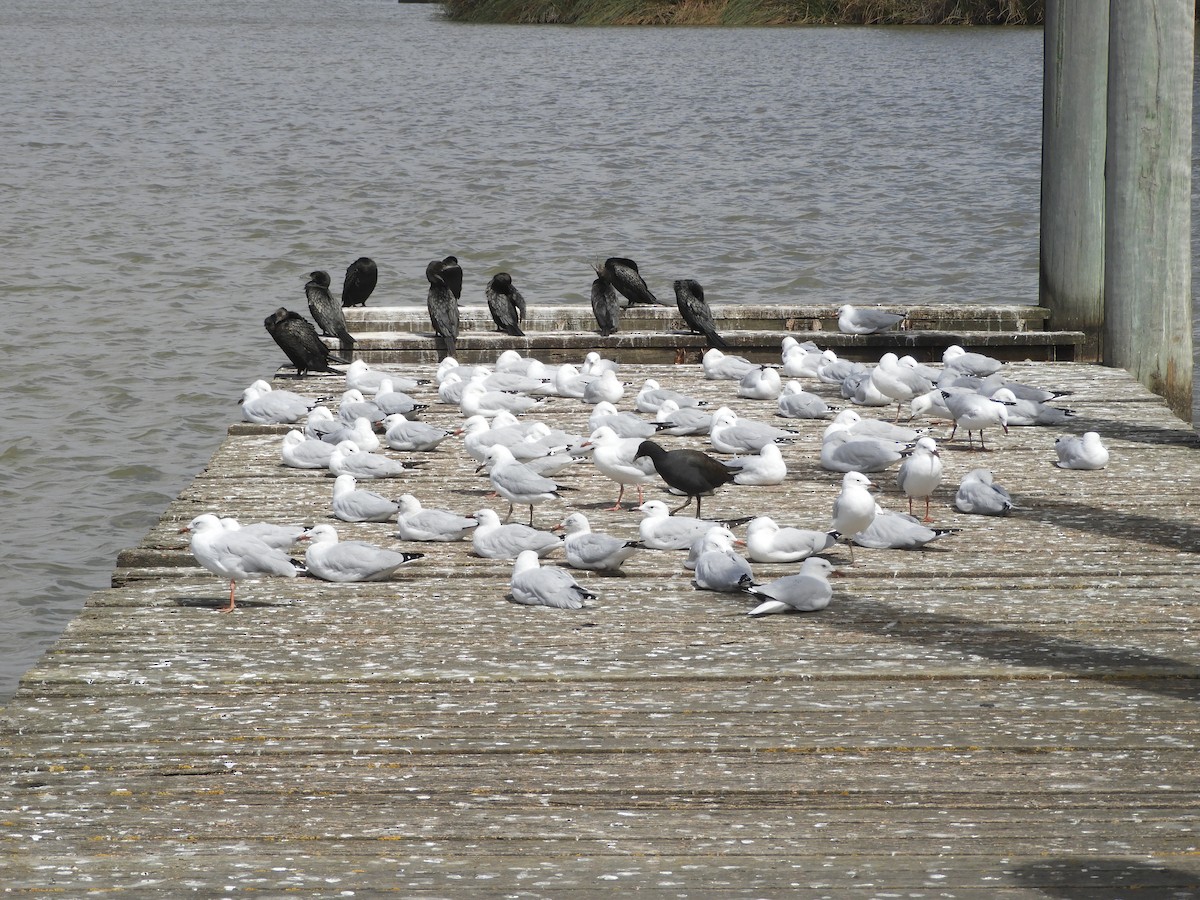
[415, 523]
[1085, 452]
[587, 549]
[516, 482]
[330, 559]
[533, 585]
[854, 507]
[352, 504]
[979, 494]
[300, 452]
[856, 320]
[494, 540]
[234, 555]
[921, 473]
[806, 591]
[768, 542]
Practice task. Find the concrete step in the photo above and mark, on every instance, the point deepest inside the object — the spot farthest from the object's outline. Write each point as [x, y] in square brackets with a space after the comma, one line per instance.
[659, 335]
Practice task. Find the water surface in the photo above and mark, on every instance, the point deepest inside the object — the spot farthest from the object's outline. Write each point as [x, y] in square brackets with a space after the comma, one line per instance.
[172, 172]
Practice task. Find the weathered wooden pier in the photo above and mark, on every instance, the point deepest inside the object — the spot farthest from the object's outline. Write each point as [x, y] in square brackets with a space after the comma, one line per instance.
[1011, 712]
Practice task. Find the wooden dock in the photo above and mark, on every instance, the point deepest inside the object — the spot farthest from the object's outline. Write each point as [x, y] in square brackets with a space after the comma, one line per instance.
[1011, 712]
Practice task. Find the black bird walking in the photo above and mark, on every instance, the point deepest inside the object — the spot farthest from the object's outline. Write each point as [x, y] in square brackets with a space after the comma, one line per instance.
[506, 304]
[623, 275]
[452, 275]
[690, 472]
[326, 311]
[361, 277]
[297, 337]
[443, 308]
[605, 305]
[689, 297]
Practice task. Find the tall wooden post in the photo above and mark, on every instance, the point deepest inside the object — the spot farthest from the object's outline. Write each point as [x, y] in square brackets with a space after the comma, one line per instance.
[1074, 110]
[1147, 248]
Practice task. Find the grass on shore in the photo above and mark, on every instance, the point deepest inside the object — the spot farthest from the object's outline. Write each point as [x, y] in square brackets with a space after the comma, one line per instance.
[749, 12]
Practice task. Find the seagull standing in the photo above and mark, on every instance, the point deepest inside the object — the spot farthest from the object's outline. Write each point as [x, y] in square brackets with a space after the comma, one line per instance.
[616, 458]
[854, 507]
[233, 554]
[516, 482]
[920, 473]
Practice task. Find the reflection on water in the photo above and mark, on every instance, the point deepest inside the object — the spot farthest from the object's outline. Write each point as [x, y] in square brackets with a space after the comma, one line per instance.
[172, 175]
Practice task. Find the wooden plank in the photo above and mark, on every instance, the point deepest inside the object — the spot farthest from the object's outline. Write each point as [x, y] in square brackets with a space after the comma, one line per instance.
[1012, 710]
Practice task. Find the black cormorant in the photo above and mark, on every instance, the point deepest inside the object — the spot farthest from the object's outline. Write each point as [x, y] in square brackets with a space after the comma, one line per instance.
[297, 337]
[326, 311]
[452, 275]
[506, 304]
[689, 297]
[605, 305]
[361, 277]
[443, 309]
[623, 275]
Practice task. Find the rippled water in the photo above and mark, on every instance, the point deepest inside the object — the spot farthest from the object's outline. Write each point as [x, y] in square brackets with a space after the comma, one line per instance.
[172, 171]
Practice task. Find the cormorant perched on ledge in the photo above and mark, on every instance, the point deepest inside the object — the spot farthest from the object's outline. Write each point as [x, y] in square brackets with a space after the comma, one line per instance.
[623, 275]
[442, 306]
[451, 273]
[506, 304]
[326, 311]
[605, 305]
[297, 337]
[689, 297]
[361, 277]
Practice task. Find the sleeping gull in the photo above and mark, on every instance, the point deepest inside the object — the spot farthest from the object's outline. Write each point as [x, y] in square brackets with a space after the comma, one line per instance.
[718, 366]
[673, 420]
[979, 494]
[625, 424]
[762, 383]
[959, 360]
[347, 459]
[1085, 452]
[419, 437]
[806, 591]
[719, 568]
[764, 468]
[330, 559]
[234, 555]
[535, 585]
[651, 397]
[797, 403]
[264, 406]
[858, 320]
[278, 536]
[605, 387]
[1023, 411]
